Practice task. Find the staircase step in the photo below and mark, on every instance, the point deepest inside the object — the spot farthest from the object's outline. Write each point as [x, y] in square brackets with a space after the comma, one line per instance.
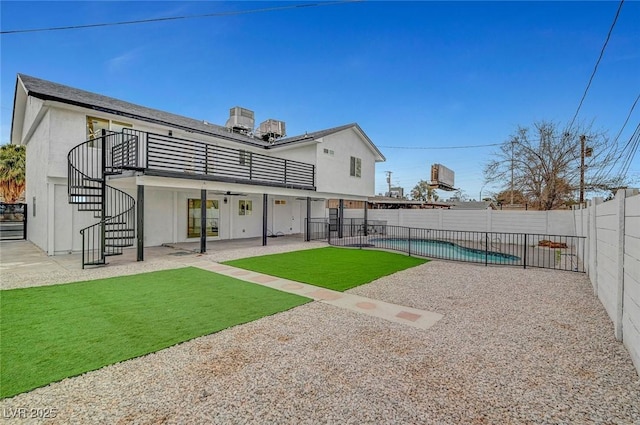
[87, 195]
[85, 186]
[93, 179]
[120, 245]
[118, 238]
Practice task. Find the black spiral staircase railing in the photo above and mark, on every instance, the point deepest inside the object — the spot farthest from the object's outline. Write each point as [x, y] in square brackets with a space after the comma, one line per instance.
[89, 165]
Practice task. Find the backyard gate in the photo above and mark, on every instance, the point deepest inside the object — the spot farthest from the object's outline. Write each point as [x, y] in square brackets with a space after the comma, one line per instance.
[13, 221]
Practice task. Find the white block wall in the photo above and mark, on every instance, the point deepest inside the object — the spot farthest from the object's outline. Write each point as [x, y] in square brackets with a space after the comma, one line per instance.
[612, 257]
[539, 222]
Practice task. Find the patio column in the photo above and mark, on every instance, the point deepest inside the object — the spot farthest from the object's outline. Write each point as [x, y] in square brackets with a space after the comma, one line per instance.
[265, 198]
[203, 221]
[140, 223]
[340, 216]
[365, 218]
[307, 237]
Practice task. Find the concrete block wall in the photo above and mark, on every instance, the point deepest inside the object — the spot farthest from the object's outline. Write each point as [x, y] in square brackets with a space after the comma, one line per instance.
[538, 222]
[612, 259]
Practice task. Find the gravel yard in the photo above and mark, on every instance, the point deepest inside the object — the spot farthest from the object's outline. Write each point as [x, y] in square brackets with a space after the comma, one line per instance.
[514, 346]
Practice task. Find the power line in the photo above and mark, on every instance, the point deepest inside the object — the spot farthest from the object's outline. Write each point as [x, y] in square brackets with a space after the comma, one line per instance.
[175, 18]
[595, 68]
[628, 116]
[633, 143]
[601, 174]
[440, 147]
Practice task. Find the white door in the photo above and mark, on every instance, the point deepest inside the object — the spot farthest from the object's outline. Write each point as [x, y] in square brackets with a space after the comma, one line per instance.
[282, 217]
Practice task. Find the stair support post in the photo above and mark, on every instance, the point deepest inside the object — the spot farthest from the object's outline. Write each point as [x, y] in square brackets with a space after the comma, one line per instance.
[140, 224]
[103, 201]
[203, 221]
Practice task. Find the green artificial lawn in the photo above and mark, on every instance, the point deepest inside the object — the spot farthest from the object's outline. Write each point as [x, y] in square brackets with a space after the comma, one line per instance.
[49, 333]
[333, 268]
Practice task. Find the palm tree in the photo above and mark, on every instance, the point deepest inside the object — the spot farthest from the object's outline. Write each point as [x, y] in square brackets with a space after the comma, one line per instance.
[12, 172]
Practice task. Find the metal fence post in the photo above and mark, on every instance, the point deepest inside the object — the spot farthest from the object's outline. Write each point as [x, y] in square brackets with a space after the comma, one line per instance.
[486, 249]
[409, 241]
[24, 223]
[524, 255]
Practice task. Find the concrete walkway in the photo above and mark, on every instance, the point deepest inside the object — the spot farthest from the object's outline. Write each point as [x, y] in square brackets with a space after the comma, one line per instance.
[392, 312]
[23, 260]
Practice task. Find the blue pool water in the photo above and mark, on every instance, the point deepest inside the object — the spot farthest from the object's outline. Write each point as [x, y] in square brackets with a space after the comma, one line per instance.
[442, 249]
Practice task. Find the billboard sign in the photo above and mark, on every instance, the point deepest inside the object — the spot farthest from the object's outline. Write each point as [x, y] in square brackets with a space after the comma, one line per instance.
[442, 177]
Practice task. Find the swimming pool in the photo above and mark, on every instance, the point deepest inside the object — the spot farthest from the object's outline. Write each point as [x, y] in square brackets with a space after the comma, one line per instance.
[443, 249]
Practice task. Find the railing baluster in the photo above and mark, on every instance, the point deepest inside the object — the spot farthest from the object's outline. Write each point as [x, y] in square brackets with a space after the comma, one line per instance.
[467, 246]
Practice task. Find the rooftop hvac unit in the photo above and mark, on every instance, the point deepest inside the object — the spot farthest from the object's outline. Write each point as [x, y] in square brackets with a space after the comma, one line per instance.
[272, 129]
[241, 120]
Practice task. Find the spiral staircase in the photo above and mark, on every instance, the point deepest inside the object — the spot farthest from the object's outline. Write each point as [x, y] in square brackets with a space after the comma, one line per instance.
[89, 166]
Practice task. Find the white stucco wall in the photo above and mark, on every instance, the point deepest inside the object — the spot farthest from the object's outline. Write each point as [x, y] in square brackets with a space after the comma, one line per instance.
[32, 109]
[332, 172]
[37, 150]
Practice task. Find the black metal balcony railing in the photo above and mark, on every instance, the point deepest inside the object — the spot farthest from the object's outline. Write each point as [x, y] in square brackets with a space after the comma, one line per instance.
[557, 252]
[157, 154]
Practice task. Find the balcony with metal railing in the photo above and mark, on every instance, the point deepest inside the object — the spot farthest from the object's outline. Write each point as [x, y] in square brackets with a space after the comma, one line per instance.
[169, 156]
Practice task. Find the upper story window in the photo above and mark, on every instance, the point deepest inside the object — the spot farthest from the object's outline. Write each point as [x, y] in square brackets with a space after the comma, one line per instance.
[96, 125]
[328, 152]
[356, 167]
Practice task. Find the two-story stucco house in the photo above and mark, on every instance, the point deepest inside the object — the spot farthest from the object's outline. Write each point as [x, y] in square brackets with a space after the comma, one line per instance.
[104, 174]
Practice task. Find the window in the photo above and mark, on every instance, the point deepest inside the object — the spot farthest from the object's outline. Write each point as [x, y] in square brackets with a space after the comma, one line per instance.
[245, 207]
[328, 152]
[193, 214]
[356, 167]
[96, 125]
[280, 202]
[244, 158]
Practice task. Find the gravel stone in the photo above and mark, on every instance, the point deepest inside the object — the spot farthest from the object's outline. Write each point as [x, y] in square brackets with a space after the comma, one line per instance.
[514, 347]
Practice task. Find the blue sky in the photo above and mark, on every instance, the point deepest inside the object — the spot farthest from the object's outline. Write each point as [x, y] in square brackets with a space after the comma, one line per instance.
[412, 74]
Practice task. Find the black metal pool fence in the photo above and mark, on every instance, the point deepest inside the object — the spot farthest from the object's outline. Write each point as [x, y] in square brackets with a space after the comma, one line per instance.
[558, 252]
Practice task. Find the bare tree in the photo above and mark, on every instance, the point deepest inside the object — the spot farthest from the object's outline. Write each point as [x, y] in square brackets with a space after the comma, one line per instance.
[543, 163]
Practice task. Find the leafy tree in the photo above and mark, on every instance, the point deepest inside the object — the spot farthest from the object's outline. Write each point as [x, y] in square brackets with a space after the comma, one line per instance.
[504, 197]
[424, 192]
[543, 164]
[12, 172]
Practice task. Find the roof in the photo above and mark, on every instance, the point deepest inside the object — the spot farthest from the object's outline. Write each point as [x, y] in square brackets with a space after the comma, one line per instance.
[322, 133]
[472, 205]
[47, 90]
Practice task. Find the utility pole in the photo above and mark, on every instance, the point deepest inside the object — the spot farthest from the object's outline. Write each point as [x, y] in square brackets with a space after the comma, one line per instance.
[513, 142]
[389, 180]
[584, 152]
